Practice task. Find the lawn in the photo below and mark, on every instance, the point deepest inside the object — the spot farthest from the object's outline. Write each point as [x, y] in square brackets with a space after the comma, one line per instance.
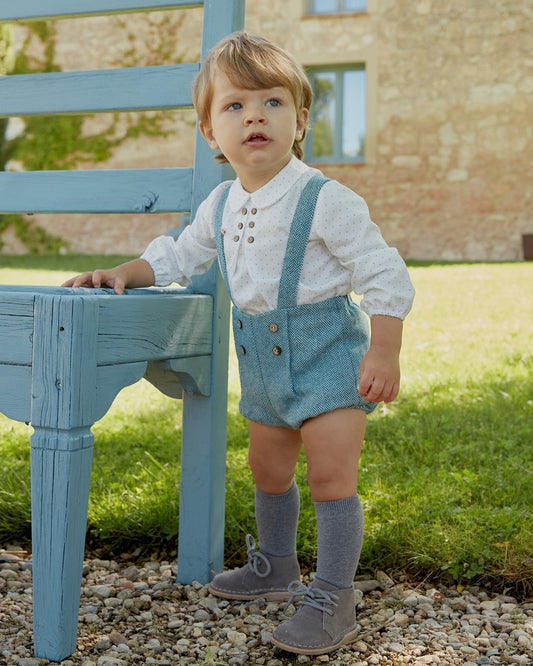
[447, 469]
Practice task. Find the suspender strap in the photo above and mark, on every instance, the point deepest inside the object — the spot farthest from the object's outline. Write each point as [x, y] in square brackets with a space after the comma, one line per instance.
[219, 237]
[297, 243]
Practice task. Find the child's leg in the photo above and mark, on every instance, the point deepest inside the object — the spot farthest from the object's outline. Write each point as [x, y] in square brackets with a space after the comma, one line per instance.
[326, 616]
[273, 456]
[333, 443]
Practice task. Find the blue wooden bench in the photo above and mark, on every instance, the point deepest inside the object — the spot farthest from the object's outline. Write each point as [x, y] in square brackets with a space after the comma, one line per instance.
[65, 354]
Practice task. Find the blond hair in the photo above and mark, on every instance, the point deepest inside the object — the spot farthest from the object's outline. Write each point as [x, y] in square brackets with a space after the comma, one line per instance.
[251, 62]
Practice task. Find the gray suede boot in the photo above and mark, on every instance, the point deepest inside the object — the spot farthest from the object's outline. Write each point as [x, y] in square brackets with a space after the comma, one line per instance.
[264, 577]
[324, 620]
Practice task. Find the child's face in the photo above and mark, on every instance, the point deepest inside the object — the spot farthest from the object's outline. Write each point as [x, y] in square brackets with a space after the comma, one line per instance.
[254, 129]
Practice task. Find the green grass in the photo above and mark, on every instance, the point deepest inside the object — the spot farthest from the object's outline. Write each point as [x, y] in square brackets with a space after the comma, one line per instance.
[447, 469]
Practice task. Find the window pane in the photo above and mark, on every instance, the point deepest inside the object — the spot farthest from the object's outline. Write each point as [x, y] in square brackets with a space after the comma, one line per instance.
[324, 6]
[355, 5]
[354, 115]
[323, 121]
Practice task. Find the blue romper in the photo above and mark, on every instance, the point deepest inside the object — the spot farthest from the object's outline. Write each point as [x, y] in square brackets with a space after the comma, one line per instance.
[297, 361]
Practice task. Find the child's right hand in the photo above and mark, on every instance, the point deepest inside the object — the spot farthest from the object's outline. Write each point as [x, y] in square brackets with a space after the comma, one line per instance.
[100, 278]
[133, 274]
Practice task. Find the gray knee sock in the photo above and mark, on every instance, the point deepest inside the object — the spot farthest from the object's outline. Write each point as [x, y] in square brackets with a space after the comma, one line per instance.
[340, 525]
[277, 521]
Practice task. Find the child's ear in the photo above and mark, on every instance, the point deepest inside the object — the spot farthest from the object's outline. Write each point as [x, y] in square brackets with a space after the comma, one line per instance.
[207, 133]
[302, 119]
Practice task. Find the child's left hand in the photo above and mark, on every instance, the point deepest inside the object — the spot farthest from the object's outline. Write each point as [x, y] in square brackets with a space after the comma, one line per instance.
[379, 380]
[380, 375]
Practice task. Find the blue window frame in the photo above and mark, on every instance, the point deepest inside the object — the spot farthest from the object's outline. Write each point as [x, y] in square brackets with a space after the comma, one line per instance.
[335, 6]
[338, 114]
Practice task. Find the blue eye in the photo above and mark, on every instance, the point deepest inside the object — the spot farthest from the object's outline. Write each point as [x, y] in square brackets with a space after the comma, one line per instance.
[274, 102]
[235, 106]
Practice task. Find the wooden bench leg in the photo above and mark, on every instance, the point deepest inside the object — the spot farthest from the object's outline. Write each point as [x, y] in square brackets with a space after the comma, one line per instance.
[202, 491]
[60, 477]
[63, 411]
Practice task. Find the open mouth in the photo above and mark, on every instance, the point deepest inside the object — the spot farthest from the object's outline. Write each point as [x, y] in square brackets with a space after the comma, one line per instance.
[257, 139]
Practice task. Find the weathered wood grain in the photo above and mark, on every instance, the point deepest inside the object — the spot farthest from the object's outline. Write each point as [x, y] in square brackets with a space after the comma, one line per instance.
[148, 328]
[129, 89]
[98, 191]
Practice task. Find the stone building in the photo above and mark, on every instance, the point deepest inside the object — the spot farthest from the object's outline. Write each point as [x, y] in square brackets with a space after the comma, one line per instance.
[423, 107]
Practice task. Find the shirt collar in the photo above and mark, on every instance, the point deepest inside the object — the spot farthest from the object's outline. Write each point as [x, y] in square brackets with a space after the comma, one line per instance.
[270, 193]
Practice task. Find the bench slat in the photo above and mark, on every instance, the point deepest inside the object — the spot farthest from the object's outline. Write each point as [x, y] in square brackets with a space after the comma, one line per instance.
[129, 89]
[23, 10]
[97, 191]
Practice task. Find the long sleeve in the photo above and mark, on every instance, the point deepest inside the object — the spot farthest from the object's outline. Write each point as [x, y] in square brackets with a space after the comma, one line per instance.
[376, 271]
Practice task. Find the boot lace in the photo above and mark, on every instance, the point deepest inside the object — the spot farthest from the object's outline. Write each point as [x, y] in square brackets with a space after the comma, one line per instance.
[322, 600]
[256, 559]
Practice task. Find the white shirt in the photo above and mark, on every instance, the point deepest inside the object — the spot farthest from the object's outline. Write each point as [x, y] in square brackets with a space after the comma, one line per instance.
[345, 252]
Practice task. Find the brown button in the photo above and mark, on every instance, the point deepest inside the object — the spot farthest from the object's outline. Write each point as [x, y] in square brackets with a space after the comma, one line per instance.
[244, 211]
[251, 239]
[239, 323]
[253, 211]
[240, 225]
[235, 238]
[251, 224]
[273, 328]
[242, 350]
[276, 350]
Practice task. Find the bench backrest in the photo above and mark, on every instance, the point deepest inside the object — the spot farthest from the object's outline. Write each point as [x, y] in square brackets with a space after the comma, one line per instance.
[135, 88]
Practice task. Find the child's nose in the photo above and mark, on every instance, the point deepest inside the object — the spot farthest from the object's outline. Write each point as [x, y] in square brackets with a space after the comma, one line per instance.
[255, 115]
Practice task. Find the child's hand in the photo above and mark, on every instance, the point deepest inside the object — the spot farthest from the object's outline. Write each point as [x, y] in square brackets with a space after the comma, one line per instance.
[380, 368]
[133, 274]
[380, 375]
[100, 278]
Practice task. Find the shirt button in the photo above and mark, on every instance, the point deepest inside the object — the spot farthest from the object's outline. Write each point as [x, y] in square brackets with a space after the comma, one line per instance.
[239, 323]
[244, 211]
[251, 224]
[242, 350]
[240, 225]
[273, 328]
[235, 238]
[251, 239]
[276, 350]
[253, 211]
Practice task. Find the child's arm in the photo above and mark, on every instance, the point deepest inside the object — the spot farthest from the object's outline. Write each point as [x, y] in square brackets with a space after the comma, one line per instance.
[380, 367]
[136, 273]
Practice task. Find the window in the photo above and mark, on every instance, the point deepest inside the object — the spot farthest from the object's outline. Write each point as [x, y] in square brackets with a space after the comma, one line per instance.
[335, 6]
[338, 115]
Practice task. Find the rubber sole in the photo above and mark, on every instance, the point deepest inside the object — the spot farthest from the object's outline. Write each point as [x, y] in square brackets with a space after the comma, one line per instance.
[348, 638]
[275, 595]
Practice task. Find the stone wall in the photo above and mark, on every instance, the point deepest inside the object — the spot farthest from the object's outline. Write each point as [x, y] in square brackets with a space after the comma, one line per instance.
[448, 173]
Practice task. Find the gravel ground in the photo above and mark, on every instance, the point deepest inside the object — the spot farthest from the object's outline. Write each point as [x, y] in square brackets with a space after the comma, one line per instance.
[138, 614]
